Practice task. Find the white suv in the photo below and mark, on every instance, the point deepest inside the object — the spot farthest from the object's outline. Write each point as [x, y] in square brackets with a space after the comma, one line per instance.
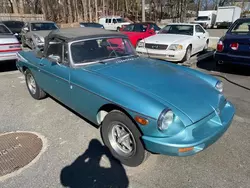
[113, 22]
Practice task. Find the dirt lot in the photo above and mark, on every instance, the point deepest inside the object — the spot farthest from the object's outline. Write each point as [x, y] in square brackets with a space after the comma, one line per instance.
[72, 142]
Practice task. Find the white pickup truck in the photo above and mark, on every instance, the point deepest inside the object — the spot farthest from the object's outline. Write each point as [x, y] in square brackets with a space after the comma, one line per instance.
[227, 15]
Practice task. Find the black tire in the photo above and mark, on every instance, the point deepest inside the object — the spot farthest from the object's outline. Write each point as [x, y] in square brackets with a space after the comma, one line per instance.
[118, 29]
[138, 155]
[206, 46]
[187, 56]
[37, 93]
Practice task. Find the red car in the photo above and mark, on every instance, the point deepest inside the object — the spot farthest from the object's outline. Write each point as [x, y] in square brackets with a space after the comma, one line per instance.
[139, 31]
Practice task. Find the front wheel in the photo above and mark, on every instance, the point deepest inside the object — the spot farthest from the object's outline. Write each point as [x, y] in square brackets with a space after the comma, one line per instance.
[35, 91]
[118, 29]
[123, 139]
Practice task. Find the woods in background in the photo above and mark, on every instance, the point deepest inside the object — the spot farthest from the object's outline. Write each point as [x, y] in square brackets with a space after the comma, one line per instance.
[69, 11]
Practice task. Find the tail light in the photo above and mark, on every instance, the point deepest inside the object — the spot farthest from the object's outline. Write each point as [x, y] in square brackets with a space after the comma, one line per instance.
[220, 46]
[234, 46]
[10, 47]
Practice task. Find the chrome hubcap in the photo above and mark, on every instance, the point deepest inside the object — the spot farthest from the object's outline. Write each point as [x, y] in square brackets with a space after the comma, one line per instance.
[31, 83]
[122, 140]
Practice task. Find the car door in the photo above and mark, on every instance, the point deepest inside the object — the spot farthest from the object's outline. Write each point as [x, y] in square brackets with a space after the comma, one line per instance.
[200, 34]
[55, 74]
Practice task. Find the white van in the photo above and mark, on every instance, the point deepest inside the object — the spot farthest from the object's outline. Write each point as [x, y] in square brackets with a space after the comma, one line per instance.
[113, 22]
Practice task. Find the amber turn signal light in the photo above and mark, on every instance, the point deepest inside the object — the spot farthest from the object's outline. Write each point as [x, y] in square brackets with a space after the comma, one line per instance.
[182, 150]
[141, 120]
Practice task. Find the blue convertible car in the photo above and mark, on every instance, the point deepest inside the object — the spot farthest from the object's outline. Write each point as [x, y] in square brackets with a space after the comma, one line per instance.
[234, 47]
[140, 104]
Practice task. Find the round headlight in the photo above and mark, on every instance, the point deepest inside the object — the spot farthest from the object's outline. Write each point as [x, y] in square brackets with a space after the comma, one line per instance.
[165, 119]
[219, 86]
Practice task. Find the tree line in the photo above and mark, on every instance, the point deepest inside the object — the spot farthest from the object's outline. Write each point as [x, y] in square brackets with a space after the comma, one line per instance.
[69, 11]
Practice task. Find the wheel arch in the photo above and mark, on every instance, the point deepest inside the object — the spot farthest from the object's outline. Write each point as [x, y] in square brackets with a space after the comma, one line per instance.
[106, 108]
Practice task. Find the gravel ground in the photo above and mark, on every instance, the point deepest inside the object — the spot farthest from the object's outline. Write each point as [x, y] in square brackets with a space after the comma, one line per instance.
[74, 143]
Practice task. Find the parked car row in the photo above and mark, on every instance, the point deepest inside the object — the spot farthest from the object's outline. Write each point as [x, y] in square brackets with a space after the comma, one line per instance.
[176, 42]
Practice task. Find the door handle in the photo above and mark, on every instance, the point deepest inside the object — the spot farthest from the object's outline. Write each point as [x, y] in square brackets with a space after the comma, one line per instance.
[41, 64]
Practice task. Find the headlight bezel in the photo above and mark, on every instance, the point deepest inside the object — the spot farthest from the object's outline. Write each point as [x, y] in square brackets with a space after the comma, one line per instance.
[175, 47]
[219, 86]
[140, 44]
[38, 39]
[167, 113]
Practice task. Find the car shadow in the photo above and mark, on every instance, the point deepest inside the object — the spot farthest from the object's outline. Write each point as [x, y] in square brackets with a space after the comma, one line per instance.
[86, 171]
[209, 65]
[7, 66]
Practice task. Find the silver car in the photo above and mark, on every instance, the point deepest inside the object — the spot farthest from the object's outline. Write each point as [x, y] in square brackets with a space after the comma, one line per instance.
[9, 44]
[34, 32]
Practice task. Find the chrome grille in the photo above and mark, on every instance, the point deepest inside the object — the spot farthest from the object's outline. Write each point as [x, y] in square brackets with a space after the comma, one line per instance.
[156, 46]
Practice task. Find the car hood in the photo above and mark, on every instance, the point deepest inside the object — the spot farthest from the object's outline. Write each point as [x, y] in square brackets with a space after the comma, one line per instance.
[167, 38]
[169, 84]
[42, 34]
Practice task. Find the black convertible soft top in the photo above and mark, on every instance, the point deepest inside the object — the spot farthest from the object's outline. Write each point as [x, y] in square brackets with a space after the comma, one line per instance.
[72, 34]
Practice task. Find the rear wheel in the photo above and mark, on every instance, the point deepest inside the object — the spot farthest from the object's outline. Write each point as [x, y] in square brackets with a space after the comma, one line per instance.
[35, 91]
[118, 29]
[123, 139]
[206, 46]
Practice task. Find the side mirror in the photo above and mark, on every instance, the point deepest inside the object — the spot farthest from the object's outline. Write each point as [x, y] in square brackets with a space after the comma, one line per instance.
[195, 19]
[16, 34]
[54, 59]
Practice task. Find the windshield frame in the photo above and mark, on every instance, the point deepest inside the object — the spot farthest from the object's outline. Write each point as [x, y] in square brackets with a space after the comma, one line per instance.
[32, 29]
[98, 60]
[171, 25]
[10, 32]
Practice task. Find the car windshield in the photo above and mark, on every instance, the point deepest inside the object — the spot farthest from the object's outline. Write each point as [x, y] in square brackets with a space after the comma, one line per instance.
[120, 20]
[101, 49]
[178, 29]
[155, 27]
[241, 28]
[4, 30]
[202, 18]
[136, 28]
[43, 26]
[14, 24]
